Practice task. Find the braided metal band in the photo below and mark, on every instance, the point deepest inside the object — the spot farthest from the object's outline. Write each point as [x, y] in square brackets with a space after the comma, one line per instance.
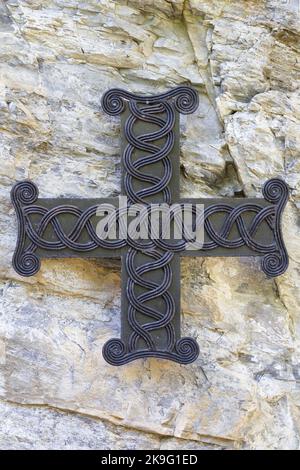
[25, 193]
[150, 306]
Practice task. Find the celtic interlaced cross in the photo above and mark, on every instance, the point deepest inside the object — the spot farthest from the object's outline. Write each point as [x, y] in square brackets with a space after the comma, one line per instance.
[52, 228]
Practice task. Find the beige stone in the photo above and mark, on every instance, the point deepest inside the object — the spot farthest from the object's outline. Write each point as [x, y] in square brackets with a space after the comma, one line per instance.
[57, 58]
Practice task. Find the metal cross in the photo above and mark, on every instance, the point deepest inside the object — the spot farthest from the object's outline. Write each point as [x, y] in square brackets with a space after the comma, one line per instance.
[150, 317]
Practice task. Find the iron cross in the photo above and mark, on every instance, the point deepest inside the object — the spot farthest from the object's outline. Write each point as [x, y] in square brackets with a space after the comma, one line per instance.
[150, 317]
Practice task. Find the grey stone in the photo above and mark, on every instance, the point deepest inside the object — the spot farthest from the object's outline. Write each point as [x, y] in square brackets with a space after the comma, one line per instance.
[57, 58]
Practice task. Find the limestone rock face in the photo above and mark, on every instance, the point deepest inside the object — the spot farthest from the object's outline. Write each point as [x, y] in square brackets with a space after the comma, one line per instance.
[56, 60]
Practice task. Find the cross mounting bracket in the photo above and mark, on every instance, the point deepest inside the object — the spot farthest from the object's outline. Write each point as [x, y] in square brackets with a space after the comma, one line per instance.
[60, 228]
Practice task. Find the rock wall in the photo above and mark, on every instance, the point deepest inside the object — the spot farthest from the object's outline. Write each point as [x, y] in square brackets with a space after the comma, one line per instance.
[57, 58]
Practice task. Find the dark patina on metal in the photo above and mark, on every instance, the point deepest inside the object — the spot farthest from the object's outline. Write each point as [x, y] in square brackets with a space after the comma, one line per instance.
[54, 228]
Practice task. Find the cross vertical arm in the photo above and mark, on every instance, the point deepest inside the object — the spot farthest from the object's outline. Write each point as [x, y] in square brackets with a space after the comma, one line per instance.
[150, 325]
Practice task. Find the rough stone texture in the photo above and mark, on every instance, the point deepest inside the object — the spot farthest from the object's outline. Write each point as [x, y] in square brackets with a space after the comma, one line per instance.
[57, 58]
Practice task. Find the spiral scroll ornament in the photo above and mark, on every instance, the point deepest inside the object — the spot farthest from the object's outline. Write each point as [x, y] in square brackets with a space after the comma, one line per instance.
[276, 191]
[25, 263]
[186, 99]
[187, 349]
[114, 351]
[276, 263]
[25, 192]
